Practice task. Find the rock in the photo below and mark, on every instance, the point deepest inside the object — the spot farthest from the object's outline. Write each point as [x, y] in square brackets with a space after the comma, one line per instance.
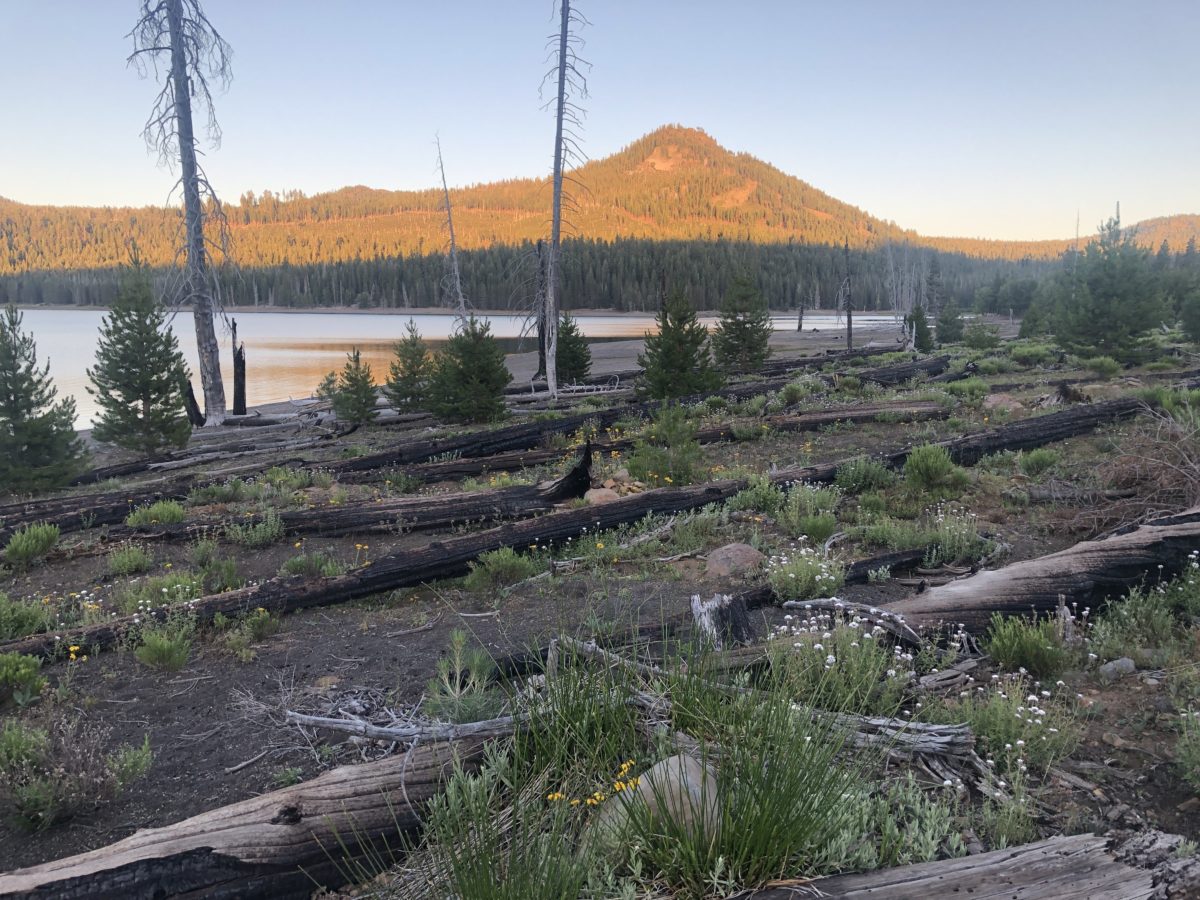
[610, 483]
[1003, 401]
[1151, 682]
[621, 475]
[597, 496]
[679, 789]
[733, 559]
[1114, 740]
[1189, 806]
[1111, 671]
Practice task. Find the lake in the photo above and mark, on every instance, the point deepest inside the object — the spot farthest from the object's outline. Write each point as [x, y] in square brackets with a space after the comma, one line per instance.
[288, 353]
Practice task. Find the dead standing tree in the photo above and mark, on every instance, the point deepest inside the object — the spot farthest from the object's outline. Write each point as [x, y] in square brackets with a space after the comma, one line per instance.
[179, 31]
[568, 116]
[454, 276]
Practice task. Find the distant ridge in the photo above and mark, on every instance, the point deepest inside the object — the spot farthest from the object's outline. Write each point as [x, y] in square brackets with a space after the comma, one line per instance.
[675, 183]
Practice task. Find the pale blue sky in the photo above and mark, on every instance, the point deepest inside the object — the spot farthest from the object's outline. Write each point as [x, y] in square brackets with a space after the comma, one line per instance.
[992, 119]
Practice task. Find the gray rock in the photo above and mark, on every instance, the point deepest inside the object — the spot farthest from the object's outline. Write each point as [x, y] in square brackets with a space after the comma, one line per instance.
[1111, 671]
[679, 789]
[733, 559]
[596, 496]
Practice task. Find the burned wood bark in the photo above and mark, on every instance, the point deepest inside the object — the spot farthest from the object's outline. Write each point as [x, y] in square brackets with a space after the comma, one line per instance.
[1084, 573]
[271, 846]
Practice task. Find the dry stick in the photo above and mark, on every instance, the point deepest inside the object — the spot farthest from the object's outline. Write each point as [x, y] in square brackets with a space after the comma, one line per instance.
[498, 727]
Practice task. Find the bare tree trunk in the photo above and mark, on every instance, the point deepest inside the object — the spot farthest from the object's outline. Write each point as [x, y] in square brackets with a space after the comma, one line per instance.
[849, 303]
[556, 213]
[455, 276]
[197, 288]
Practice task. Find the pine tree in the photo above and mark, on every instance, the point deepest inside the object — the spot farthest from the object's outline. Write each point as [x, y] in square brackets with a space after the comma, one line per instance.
[354, 398]
[675, 361]
[574, 357]
[409, 372]
[922, 336]
[38, 444]
[139, 373]
[950, 324]
[740, 340]
[469, 375]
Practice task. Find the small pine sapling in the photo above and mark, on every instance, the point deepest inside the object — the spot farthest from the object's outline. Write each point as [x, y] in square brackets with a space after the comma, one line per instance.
[409, 372]
[740, 340]
[676, 360]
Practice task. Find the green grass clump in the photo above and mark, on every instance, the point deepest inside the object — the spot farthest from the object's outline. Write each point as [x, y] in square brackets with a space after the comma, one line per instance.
[970, 390]
[760, 496]
[240, 635]
[1034, 646]
[29, 544]
[800, 573]
[19, 678]
[1037, 462]
[1149, 618]
[166, 645]
[808, 511]
[142, 595]
[235, 490]
[1102, 366]
[161, 512]
[929, 469]
[994, 365]
[19, 618]
[499, 568]
[266, 531]
[863, 474]
[313, 565]
[1027, 355]
[129, 559]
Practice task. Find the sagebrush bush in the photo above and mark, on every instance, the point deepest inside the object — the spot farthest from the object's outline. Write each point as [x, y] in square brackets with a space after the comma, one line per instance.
[760, 496]
[970, 390]
[161, 512]
[1025, 354]
[30, 543]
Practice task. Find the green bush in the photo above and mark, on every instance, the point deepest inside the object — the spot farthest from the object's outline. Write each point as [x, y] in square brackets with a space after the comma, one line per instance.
[469, 376]
[166, 645]
[19, 618]
[1187, 750]
[235, 490]
[1027, 354]
[864, 474]
[1037, 462]
[668, 453]
[808, 511]
[161, 512]
[760, 496]
[129, 559]
[929, 468]
[950, 324]
[1034, 646]
[972, 390]
[802, 574]
[994, 365]
[312, 565]
[19, 678]
[1102, 366]
[498, 568]
[30, 543]
[266, 531]
[141, 595]
[979, 336]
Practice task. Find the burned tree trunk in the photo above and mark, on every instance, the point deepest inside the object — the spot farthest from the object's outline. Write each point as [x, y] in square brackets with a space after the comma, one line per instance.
[271, 846]
[1088, 571]
[239, 374]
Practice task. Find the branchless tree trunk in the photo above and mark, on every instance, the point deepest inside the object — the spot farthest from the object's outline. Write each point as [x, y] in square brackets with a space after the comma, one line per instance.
[197, 53]
[456, 288]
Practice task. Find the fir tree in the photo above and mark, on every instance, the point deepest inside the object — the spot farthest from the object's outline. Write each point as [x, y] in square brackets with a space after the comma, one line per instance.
[139, 374]
[950, 324]
[354, 398]
[919, 325]
[574, 357]
[739, 342]
[38, 444]
[469, 376]
[675, 361]
[409, 372]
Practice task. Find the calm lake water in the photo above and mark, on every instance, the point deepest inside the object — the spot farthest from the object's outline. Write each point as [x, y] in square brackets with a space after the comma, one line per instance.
[288, 353]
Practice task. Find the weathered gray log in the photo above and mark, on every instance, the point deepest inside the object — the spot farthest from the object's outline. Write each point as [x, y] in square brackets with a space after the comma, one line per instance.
[1080, 866]
[1084, 573]
[271, 846]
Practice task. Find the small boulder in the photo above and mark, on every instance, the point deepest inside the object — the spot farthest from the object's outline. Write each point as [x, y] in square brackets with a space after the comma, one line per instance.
[733, 559]
[1003, 401]
[1111, 671]
[597, 496]
[679, 789]
[621, 475]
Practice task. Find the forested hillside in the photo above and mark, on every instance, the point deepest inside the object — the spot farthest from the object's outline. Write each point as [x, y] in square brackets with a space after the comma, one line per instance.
[673, 203]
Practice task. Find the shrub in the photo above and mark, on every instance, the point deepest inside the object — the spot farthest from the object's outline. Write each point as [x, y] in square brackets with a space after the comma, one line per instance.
[930, 469]
[313, 565]
[740, 340]
[469, 375]
[994, 365]
[1145, 619]
[161, 512]
[19, 618]
[1027, 354]
[130, 559]
[761, 496]
[19, 678]
[863, 474]
[140, 373]
[801, 574]
[252, 628]
[352, 393]
[918, 324]
[668, 453]
[1038, 461]
[573, 361]
[409, 371]
[38, 444]
[235, 490]
[972, 390]
[1102, 366]
[980, 336]
[267, 530]
[166, 645]
[1035, 646]
[795, 391]
[220, 575]
[145, 594]
[808, 512]
[676, 360]
[497, 568]
[29, 544]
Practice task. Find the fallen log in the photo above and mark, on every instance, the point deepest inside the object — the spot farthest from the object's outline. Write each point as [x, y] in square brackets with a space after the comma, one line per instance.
[1076, 866]
[1084, 573]
[282, 844]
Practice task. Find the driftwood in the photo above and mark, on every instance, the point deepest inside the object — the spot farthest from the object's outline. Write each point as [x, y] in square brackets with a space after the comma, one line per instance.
[1076, 866]
[271, 846]
[1083, 573]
